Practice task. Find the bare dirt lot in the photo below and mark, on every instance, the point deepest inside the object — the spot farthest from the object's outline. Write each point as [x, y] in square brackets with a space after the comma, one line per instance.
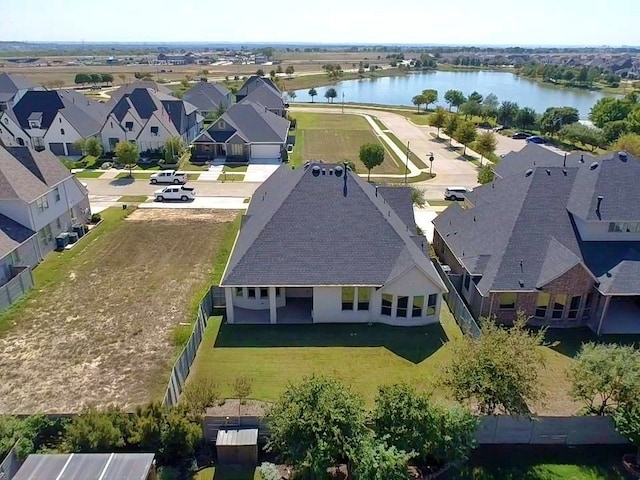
[102, 333]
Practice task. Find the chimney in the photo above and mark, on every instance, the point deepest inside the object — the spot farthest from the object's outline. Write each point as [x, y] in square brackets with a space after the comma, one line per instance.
[600, 197]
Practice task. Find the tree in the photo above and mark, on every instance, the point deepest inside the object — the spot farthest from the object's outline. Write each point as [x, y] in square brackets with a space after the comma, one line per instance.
[200, 395]
[486, 144]
[609, 109]
[374, 460]
[107, 78]
[465, 134]
[485, 175]
[242, 387]
[312, 93]
[316, 423]
[470, 109]
[272, 74]
[475, 97]
[490, 106]
[93, 431]
[260, 72]
[450, 126]
[629, 142]
[291, 94]
[180, 436]
[418, 100]
[371, 155]
[127, 154]
[330, 94]
[604, 376]
[627, 420]
[554, 118]
[588, 136]
[614, 130]
[507, 113]
[279, 69]
[96, 78]
[582, 75]
[454, 98]
[411, 423]
[173, 149]
[429, 96]
[89, 146]
[526, 118]
[438, 118]
[417, 197]
[82, 79]
[499, 370]
[289, 70]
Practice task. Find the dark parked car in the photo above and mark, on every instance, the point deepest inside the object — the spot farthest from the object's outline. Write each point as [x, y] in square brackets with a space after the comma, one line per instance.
[520, 135]
[536, 139]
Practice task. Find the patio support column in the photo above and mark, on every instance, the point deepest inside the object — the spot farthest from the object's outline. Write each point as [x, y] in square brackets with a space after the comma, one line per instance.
[604, 313]
[228, 300]
[273, 314]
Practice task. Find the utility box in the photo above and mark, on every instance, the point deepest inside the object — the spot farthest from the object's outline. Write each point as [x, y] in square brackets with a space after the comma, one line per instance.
[237, 447]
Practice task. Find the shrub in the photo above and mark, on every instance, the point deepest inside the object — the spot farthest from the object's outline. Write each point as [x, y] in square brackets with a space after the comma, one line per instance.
[96, 217]
[242, 387]
[268, 471]
[200, 395]
[106, 165]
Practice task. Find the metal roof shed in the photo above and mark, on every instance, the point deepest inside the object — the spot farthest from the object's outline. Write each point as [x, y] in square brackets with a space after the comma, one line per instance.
[88, 466]
[237, 447]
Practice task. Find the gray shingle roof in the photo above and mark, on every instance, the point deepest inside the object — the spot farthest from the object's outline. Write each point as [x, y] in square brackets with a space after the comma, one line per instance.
[302, 229]
[206, 96]
[255, 124]
[27, 174]
[11, 84]
[520, 234]
[254, 82]
[127, 89]
[533, 155]
[400, 200]
[266, 97]
[12, 235]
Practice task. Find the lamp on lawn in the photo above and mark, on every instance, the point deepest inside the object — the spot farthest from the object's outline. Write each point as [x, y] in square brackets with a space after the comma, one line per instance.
[431, 164]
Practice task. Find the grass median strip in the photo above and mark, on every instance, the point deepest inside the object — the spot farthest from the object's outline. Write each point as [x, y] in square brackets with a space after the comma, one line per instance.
[133, 198]
[88, 174]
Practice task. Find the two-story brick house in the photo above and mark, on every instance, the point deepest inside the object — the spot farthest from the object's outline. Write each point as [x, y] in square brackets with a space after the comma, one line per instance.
[561, 244]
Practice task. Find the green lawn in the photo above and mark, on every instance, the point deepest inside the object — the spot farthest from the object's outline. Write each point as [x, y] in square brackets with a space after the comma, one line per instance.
[379, 123]
[227, 473]
[133, 198]
[185, 164]
[335, 138]
[362, 356]
[552, 463]
[88, 174]
[234, 168]
[417, 161]
[231, 177]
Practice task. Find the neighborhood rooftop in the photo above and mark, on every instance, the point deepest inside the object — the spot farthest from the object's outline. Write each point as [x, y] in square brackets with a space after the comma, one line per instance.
[343, 232]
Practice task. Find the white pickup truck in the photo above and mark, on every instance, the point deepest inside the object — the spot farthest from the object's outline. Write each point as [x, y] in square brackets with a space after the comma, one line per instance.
[169, 176]
[175, 193]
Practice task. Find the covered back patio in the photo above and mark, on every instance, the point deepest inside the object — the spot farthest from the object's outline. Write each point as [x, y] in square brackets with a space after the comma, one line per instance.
[621, 315]
[269, 305]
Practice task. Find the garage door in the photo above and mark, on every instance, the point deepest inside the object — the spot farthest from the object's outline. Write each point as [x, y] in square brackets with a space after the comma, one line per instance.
[72, 150]
[265, 151]
[57, 149]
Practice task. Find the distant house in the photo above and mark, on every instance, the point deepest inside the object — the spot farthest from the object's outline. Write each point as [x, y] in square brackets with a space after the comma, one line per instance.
[51, 120]
[559, 243]
[247, 131]
[12, 88]
[123, 90]
[181, 59]
[268, 98]
[532, 156]
[148, 118]
[351, 253]
[254, 82]
[39, 199]
[208, 97]
[99, 466]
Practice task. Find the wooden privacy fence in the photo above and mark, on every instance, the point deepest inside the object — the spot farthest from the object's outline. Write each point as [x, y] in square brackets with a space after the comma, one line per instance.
[213, 300]
[19, 284]
[493, 430]
[458, 308]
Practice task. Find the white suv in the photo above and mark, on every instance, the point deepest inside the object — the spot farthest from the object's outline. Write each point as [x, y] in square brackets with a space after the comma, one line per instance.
[455, 193]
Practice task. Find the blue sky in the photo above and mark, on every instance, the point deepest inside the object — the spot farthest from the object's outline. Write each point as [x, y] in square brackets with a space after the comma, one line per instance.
[488, 22]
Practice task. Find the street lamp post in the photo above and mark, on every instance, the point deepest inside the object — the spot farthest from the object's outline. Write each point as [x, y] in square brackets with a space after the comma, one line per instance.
[431, 164]
[406, 167]
[342, 102]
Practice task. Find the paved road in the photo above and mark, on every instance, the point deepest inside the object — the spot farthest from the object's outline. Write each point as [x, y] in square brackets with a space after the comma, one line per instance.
[124, 186]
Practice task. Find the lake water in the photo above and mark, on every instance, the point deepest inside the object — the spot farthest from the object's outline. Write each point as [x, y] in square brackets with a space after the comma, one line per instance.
[507, 86]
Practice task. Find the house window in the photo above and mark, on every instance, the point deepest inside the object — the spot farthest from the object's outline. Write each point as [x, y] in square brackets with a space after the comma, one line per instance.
[154, 131]
[111, 124]
[128, 126]
[387, 303]
[467, 281]
[624, 227]
[264, 292]
[401, 310]
[14, 258]
[418, 303]
[42, 204]
[62, 131]
[364, 296]
[239, 291]
[46, 235]
[543, 304]
[574, 305]
[56, 194]
[586, 311]
[251, 292]
[558, 305]
[507, 300]
[431, 305]
[348, 297]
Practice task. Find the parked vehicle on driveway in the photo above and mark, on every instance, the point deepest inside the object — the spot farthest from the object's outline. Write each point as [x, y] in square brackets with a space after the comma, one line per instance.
[520, 135]
[536, 139]
[455, 193]
[181, 193]
[169, 176]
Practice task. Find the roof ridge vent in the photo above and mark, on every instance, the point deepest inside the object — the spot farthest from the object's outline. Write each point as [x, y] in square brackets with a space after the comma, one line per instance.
[315, 171]
[622, 155]
[548, 171]
[528, 173]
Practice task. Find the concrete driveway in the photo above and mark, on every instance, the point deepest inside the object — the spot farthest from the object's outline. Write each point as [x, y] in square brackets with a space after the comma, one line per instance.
[125, 186]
